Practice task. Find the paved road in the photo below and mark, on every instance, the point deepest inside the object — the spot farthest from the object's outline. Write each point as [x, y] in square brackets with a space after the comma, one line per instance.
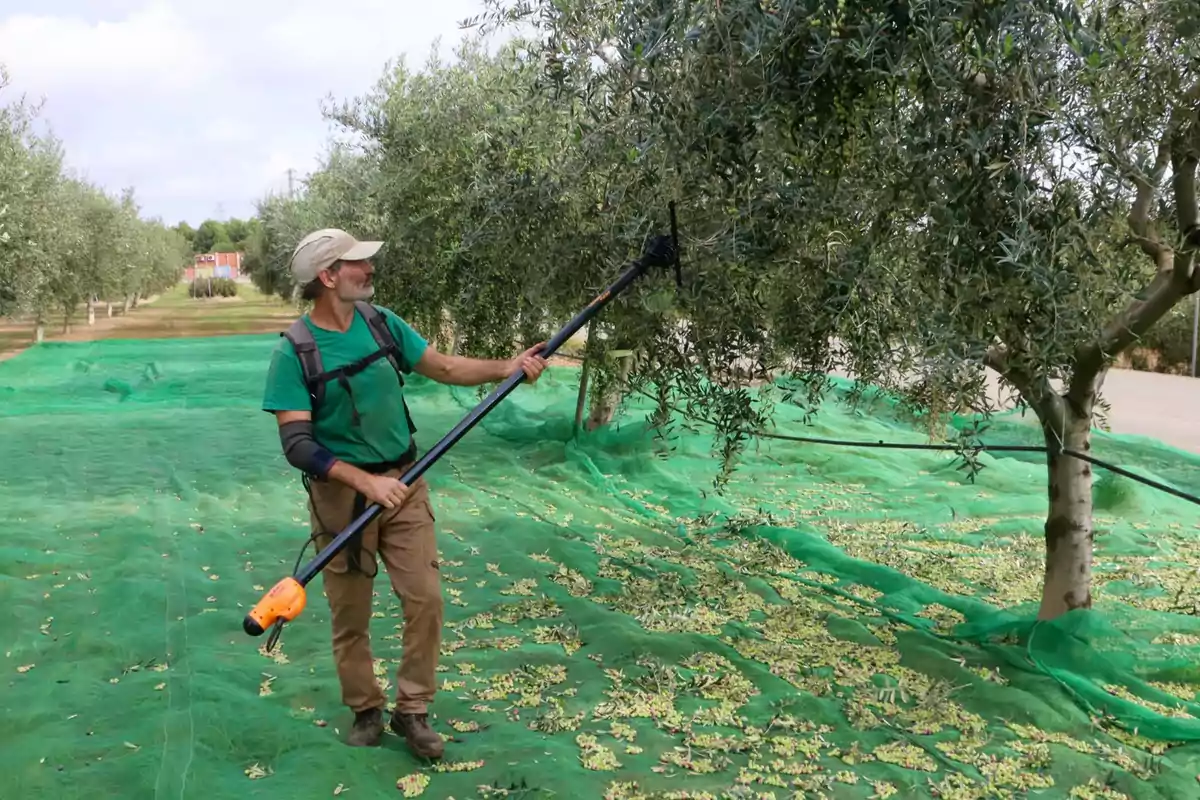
[1166, 407]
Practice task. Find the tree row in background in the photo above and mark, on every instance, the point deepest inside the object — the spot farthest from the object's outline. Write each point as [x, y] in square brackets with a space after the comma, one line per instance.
[64, 243]
[218, 236]
[914, 194]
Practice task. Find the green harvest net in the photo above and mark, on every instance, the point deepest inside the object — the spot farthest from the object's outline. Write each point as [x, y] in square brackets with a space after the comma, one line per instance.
[842, 623]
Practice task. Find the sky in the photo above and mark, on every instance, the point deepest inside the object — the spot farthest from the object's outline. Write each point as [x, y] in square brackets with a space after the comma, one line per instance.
[202, 107]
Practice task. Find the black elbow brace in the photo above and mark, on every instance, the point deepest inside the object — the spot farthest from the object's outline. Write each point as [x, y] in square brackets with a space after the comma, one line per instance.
[302, 450]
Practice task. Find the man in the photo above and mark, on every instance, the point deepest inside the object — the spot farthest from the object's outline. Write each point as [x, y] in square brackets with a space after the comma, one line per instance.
[355, 447]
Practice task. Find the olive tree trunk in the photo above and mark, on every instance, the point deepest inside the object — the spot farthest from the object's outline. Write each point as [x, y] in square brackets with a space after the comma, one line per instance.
[1066, 421]
[581, 398]
[1068, 529]
[608, 391]
[1066, 418]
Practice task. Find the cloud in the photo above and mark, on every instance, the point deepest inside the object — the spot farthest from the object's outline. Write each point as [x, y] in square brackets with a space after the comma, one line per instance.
[151, 50]
[203, 107]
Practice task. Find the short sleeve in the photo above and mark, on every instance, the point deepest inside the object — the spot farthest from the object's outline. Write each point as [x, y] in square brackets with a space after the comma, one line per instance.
[412, 344]
[285, 390]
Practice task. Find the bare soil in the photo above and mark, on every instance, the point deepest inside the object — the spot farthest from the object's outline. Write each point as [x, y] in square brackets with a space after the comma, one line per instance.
[172, 315]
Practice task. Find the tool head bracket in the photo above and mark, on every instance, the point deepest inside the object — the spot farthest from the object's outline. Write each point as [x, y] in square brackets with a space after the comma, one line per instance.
[662, 251]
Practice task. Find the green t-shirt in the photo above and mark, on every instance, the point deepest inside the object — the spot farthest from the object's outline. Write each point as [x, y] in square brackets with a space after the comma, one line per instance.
[382, 433]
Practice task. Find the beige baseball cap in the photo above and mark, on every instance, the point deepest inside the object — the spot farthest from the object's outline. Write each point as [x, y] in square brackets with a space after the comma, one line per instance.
[320, 249]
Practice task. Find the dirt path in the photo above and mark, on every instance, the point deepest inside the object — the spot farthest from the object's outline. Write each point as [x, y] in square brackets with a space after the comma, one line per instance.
[172, 315]
[17, 335]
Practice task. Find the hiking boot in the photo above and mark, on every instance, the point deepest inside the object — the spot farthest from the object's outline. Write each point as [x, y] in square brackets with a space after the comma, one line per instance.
[367, 729]
[422, 739]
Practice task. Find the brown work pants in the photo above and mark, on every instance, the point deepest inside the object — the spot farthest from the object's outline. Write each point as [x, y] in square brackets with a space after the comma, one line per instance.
[405, 540]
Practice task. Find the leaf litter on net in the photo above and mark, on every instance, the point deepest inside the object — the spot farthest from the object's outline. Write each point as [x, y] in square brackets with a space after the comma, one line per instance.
[763, 609]
[705, 591]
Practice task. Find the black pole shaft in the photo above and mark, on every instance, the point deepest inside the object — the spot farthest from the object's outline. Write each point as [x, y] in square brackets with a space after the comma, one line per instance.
[322, 559]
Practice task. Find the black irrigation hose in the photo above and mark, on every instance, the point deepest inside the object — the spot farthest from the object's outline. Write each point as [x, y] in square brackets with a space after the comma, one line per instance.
[1029, 449]
[1001, 448]
[1162, 487]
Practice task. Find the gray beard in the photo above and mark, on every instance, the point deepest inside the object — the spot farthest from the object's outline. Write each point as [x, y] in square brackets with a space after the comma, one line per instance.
[365, 293]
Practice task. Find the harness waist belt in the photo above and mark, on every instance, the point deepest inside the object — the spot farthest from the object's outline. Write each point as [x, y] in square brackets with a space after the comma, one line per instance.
[403, 462]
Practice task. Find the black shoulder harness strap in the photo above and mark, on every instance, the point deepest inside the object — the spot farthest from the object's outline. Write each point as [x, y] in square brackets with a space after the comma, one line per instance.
[315, 377]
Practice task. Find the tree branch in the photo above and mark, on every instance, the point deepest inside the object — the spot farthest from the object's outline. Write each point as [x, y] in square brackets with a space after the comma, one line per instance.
[1147, 187]
[1187, 210]
[1036, 392]
[1173, 277]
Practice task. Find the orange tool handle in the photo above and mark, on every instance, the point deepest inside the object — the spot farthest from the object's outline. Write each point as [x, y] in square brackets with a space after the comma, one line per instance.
[284, 602]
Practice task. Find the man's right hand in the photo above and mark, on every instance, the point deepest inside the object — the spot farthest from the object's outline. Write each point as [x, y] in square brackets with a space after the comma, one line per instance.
[387, 491]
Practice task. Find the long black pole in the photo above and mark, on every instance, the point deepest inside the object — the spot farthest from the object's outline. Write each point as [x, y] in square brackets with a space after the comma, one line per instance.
[660, 257]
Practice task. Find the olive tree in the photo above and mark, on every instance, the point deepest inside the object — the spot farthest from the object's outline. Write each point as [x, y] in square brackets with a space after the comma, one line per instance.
[480, 188]
[63, 241]
[912, 193]
[30, 166]
[282, 223]
[459, 156]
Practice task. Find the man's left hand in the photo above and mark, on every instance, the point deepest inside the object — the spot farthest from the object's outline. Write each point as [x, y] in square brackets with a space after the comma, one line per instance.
[530, 363]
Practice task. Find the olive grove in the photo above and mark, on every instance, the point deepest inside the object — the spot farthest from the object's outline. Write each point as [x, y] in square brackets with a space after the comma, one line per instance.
[65, 243]
[914, 193]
